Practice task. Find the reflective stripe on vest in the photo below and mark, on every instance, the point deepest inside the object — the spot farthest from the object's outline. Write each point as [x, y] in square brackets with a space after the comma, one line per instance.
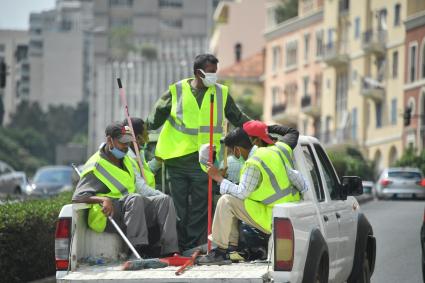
[288, 155]
[187, 126]
[279, 192]
[112, 179]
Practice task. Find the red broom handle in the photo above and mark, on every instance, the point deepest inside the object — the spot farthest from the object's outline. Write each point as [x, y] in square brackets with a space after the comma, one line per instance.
[209, 177]
[127, 115]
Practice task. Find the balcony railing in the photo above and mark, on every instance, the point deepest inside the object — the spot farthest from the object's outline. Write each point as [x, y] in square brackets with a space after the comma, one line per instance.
[373, 89]
[339, 136]
[278, 108]
[336, 53]
[374, 41]
[310, 107]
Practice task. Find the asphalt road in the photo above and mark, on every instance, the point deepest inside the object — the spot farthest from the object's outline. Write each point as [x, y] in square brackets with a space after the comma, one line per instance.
[396, 225]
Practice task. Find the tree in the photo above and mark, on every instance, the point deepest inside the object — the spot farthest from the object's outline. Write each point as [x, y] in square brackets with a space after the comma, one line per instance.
[121, 42]
[286, 9]
[250, 108]
[410, 159]
[349, 161]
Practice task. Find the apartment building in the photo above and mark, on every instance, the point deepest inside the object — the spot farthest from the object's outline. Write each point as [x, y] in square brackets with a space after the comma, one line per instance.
[14, 52]
[293, 72]
[363, 78]
[237, 33]
[59, 53]
[414, 77]
[149, 44]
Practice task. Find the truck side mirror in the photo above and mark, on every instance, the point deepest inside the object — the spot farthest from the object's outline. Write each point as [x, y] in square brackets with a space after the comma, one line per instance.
[352, 186]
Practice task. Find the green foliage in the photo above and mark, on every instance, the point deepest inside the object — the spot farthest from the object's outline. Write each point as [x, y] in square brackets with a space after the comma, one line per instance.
[250, 108]
[349, 161]
[149, 51]
[286, 10]
[31, 138]
[121, 42]
[411, 159]
[27, 238]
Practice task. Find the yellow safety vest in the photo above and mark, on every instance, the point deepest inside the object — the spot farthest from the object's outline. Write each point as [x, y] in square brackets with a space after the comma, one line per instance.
[119, 182]
[188, 126]
[275, 186]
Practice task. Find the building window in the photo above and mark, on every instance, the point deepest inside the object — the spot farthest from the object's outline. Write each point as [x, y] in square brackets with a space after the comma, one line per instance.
[412, 63]
[395, 64]
[423, 60]
[119, 23]
[394, 111]
[319, 44]
[306, 46]
[341, 94]
[382, 19]
[378, 107]
[121, 3]
[305, 85]
[276, 58]
[171, 3]
[2, 48]
[357, 28]
[354, 124]
[291, 54]
[275, 96]
[171, 23]
[397, 9]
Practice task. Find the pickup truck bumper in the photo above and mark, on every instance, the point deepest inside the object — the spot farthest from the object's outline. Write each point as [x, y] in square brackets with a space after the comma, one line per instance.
[241, 272]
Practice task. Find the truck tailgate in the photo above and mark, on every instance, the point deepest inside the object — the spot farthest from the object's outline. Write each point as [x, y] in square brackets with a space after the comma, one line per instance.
[240, 272]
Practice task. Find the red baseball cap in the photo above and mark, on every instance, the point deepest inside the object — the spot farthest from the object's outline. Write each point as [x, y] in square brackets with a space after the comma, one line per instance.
[257, 129]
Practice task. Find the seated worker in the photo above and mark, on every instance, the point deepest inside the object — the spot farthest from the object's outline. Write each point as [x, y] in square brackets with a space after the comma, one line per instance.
[142, 138]
[263, 183]
[108, 181]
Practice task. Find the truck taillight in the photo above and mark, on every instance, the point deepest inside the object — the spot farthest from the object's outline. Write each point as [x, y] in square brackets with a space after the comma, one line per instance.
[283, 244]
[62, 238]
[385, 182]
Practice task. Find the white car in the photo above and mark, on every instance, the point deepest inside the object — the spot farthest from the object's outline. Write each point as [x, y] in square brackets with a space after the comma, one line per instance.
[11, 181]
[324, 237]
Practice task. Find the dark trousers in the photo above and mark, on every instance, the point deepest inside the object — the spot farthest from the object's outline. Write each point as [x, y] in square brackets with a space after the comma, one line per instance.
[189, 190]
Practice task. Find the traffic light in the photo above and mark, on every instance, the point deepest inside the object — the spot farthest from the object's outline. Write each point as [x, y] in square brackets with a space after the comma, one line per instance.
[407, 116]
[2, 74]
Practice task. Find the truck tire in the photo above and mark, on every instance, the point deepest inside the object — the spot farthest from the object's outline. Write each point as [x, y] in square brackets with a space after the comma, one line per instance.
[322, 270]
[365, 278]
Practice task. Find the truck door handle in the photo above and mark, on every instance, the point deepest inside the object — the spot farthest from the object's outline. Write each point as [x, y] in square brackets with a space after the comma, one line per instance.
[325, 218]
[338, 215]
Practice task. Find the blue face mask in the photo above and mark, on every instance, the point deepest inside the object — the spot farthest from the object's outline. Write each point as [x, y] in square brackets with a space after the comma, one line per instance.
[118, 154]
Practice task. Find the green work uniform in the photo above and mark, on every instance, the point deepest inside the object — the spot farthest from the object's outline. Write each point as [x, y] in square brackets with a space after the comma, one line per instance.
[188, 182]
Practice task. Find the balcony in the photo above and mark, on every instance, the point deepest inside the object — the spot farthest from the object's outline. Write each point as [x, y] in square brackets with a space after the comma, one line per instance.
[281, 114]
[373, 89]
[336, 54]
[309, 107]
[374, 41]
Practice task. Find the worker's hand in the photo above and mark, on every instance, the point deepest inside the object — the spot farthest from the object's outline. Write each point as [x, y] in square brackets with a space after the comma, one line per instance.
[204, 153]
[214, 173]
[107, 207]
[223, 172]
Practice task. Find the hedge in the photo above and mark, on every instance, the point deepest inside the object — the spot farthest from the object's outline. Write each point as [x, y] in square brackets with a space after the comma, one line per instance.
[27, 247]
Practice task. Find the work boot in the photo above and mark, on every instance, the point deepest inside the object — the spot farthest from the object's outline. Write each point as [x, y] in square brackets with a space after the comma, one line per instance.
[234, 254]
[215, 257]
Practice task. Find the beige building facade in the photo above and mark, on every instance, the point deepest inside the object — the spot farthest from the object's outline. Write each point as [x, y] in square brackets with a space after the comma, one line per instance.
[293, 72]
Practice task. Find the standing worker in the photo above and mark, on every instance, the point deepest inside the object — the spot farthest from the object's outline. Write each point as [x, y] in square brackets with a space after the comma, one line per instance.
[108, 182]
[184, 111]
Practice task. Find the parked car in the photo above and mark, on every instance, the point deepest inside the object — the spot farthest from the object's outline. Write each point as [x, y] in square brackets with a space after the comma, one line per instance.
[51, 180]
[401, 182]
[423, 246]
[368, 187]
[11, 181]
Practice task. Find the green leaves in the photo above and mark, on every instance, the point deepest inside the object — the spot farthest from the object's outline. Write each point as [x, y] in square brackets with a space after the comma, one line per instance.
[27, 238]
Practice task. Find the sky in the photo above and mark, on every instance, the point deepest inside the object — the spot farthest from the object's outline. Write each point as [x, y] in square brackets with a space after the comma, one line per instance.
[14, 14]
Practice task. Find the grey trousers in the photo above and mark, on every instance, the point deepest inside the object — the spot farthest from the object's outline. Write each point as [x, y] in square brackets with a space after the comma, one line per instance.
[136, 213]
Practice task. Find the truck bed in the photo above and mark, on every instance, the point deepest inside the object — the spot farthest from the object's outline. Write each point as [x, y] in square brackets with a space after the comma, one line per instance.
[237, 272]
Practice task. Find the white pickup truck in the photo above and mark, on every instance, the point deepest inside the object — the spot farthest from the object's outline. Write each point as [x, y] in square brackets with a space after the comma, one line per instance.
[322, 238]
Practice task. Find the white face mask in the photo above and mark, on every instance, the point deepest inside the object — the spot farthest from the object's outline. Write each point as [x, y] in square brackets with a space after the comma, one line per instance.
[210, 78]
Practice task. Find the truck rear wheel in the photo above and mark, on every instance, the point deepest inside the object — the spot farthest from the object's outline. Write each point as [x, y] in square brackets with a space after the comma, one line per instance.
[322, 271]
[365, 270]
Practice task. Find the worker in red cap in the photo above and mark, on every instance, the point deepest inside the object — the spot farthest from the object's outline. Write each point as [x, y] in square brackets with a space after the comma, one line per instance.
[264, 182]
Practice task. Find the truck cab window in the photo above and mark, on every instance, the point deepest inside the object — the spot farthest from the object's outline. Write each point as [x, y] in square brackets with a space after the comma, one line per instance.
[331, 180]
[312, 168]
